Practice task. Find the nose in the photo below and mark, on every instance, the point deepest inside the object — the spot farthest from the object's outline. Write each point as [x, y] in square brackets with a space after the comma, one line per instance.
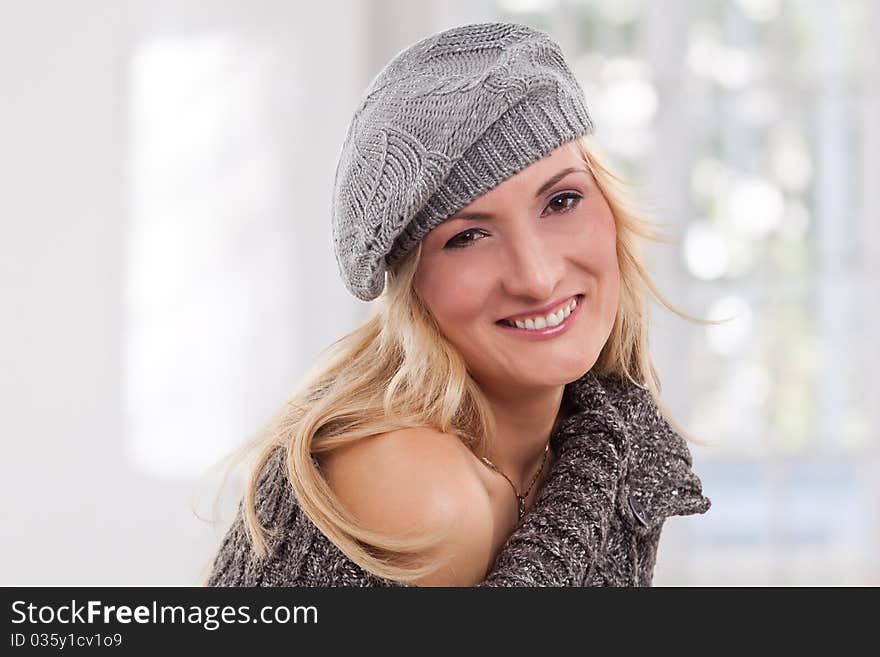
[535, 267]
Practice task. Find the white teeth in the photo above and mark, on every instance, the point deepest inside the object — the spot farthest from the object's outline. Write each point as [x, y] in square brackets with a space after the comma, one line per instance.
[553, 319]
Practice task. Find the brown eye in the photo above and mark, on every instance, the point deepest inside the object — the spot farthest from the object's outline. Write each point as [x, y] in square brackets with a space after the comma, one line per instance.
[564, 202]
[459, 241]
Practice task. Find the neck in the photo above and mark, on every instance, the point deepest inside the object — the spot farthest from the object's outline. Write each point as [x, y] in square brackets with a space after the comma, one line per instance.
[524, 424]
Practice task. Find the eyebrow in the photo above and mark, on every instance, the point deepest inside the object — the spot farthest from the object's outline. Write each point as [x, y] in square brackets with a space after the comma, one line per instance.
[543, 188]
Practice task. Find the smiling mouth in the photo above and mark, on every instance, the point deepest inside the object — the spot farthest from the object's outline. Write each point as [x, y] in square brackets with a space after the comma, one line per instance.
[540, 322]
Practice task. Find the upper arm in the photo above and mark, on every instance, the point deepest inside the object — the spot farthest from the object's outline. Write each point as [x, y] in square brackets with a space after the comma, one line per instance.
[414, 480]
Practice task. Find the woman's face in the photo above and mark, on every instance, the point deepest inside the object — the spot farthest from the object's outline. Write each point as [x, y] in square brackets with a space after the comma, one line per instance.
[538, 241]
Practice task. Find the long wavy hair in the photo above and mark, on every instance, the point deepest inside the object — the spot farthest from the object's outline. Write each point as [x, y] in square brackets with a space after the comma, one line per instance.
[397, 370]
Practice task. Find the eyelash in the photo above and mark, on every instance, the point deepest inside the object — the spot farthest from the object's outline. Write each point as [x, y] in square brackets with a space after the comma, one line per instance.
[453, 243]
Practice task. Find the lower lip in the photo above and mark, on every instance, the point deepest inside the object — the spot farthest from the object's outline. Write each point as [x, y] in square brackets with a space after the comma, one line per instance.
[550, 331]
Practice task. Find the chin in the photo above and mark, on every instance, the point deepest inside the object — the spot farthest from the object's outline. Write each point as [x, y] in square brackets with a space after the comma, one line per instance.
[553, 375]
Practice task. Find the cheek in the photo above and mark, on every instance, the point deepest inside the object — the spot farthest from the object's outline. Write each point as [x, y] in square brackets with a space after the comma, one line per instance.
[607, 262]
[597, 244]
[596, 253]
[453, 294]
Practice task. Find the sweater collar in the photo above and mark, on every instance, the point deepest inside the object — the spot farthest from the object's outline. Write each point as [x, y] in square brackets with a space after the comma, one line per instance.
[655, 467]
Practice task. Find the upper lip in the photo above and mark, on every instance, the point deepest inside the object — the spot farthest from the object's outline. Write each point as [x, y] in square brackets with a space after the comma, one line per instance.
[543, 310]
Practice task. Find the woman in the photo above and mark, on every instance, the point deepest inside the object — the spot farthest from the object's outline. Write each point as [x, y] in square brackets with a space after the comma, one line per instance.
[494, 422]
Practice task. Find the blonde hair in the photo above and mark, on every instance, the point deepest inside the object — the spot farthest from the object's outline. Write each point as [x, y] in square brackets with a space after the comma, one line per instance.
[397, 370]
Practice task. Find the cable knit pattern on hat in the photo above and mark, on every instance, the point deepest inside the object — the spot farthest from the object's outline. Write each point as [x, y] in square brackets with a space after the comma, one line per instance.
[449, 117]
[620, 472]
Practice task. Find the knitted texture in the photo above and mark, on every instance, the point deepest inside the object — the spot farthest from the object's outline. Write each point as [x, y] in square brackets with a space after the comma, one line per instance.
[620, 472]
[449, 118]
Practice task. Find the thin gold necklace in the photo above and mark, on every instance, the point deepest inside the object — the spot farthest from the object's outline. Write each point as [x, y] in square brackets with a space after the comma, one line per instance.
[521, 499]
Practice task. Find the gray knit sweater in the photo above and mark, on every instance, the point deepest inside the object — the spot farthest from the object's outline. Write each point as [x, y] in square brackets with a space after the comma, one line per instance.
[621, 470]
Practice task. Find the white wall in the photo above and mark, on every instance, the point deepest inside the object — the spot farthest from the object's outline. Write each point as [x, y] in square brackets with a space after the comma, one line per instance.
[76, 511]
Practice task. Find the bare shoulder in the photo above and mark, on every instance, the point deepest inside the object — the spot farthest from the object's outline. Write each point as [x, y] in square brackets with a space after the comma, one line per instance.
[419, 480]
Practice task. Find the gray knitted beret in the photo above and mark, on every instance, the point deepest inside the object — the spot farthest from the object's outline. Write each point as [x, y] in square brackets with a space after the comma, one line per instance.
[447, 119]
